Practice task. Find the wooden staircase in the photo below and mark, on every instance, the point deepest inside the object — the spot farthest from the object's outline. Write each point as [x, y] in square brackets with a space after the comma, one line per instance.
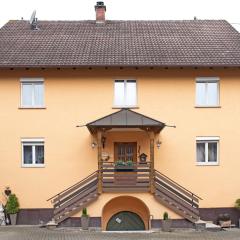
[177, 198]
[166, 191]
[75, 198]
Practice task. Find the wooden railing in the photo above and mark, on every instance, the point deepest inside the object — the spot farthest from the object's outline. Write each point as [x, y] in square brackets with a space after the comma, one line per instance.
[137, 178]
[74, 198]
[176, 197]
[134, 178]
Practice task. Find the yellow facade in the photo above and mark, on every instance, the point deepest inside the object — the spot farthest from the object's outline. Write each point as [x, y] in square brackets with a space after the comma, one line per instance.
[76, 97]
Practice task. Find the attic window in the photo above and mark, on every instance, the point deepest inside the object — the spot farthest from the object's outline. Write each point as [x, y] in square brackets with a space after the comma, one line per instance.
[32, 93]
[125, 93]
[207, 92]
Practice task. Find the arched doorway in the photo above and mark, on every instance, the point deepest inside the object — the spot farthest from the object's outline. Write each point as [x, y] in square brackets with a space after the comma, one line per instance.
[125, 210]
[125, 221]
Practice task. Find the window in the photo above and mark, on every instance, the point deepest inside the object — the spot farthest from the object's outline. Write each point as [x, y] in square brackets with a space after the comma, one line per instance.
[32, 152]
[125, 93]
[207, 92]
[32, 92]
[207, 150]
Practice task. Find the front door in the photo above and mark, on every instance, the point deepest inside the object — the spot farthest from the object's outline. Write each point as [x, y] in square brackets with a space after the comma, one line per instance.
[125, 151]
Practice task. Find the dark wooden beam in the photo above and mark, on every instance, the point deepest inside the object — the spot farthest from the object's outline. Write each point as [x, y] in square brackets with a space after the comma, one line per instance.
[152, 141]
[99, 146]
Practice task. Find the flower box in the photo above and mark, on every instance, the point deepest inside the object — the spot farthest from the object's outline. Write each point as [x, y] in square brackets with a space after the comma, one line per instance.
[124, 168]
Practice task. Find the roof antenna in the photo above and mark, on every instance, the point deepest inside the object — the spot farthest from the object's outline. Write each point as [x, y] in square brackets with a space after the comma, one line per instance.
[33, 21]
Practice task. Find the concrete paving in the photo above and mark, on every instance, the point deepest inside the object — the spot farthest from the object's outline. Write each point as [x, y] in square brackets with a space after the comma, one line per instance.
[35, 233]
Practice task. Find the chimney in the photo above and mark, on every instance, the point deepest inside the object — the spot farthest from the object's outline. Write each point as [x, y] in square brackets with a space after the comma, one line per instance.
[100, 9]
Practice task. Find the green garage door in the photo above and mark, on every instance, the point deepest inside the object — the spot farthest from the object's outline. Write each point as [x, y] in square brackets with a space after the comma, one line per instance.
[125, 221]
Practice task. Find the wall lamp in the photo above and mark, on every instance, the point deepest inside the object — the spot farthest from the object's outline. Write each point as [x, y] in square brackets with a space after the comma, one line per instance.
[93, 145]
[103, 140]
[158, 143]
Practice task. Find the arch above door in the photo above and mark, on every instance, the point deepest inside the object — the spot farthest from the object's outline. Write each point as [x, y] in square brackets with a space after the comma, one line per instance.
[125, 205]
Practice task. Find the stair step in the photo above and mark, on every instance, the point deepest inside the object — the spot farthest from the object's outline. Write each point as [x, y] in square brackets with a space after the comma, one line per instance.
[166, 194]
[75, 206]
[179, 203]
[176, 206]
[71, 212]
[213, 227]
[81, 203]
[76, 198]
[190, 216]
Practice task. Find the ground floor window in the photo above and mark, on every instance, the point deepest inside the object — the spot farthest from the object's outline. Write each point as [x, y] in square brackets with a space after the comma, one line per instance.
[32, 152]
[207, 150]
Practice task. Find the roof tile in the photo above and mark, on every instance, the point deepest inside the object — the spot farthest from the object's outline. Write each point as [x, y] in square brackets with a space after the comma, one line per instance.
[119, 43]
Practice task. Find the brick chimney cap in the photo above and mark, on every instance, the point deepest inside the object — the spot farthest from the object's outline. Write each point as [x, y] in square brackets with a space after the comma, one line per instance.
[100, 4]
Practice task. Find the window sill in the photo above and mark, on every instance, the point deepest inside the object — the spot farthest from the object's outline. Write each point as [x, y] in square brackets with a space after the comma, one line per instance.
[32, 107]
[33, 166]
[120, 107]
[207, 164]
[217, 106]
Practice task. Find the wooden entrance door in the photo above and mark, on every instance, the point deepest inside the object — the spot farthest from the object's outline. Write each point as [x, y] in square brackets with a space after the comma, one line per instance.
[125, 221]
[125, 151]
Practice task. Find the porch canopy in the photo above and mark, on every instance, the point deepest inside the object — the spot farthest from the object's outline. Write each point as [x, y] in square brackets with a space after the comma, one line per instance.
[125, 118]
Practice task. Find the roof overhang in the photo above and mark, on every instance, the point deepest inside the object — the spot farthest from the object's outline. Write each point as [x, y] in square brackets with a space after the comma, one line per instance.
[125, 118]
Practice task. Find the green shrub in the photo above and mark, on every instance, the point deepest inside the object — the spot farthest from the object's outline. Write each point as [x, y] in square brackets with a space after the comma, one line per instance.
[84, 212]
[165, 216]
[120, 163]
[237, 204]
[12, 205]
[129, 163]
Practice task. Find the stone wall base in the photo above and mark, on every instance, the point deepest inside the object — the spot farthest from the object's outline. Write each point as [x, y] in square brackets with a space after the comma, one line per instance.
[37, 216]
[211, 214]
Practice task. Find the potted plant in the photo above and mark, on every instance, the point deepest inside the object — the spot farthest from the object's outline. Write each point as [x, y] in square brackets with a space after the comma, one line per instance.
[237, 205]
[224, 220]
[85, 219]
[124, 166]
[166, 223]
[12, 208]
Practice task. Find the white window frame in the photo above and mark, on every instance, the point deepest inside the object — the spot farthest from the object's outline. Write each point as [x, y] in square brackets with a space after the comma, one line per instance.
[32, 81]
[125, 94]
[207, 140]
[207, 80]
[32, 142]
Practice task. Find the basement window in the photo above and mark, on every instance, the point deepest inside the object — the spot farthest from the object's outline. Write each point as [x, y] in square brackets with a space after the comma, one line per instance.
[125, 93]
[32, 93]
[207, 150]
[32, 152]
[207, 92]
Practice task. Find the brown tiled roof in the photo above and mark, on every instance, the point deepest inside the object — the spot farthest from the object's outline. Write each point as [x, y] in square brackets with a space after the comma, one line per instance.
[119, 43]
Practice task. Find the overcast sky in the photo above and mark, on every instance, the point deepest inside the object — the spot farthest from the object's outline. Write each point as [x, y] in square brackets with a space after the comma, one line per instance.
[122, 9]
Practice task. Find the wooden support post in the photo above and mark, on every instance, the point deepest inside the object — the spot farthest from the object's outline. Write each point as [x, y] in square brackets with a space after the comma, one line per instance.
[99, 146]
[152, 143]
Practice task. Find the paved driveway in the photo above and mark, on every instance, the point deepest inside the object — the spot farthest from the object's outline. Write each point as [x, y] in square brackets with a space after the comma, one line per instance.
[34, 233]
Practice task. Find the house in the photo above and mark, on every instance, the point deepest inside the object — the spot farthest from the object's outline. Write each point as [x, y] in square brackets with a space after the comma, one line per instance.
[130, 119]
